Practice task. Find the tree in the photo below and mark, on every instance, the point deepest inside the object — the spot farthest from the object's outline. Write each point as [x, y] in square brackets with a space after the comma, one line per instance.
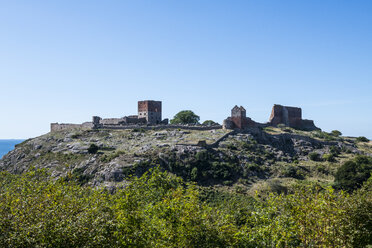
[353, 173]
[185, 117]
[336, 133]
[209, 123]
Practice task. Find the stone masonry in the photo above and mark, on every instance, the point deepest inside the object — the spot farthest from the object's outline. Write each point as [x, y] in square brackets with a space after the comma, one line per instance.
[238, 119]
[291, 117]
[150, 114]
[150, 110]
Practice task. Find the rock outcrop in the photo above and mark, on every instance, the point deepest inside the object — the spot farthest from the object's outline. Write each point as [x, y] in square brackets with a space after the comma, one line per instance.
[131, 152]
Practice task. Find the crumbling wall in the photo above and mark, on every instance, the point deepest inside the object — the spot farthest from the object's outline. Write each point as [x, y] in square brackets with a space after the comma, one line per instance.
[155, 127]
[112, 121]
[133, 119]
[69, 126]
[289, 116]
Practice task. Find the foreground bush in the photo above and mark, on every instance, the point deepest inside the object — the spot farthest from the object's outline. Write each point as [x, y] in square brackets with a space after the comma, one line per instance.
[353, 173]
[35, 212]
[160, 210]
[312, 217]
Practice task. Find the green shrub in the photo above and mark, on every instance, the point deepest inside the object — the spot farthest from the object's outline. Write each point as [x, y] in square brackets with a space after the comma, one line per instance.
[138, 130]
[353, 173]
[329, 157]
[335, 150]
[194, 174]
[75, 135]
[314, 156]
[336, 133]
[227, 182]
[293, 171]
[322, 169]
[79, 176]
[277, 187]
[93, 149]
[111, 156]
[209, 123]
[253, 167]
[323, 135]
[362, 139]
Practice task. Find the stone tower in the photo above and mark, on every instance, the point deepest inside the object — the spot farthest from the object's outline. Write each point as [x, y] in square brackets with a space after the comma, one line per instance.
[151, 110]
[291, 117]
[238, 117]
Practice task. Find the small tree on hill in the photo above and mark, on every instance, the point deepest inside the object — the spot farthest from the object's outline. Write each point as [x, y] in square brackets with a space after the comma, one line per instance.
[336, 133]
[185, 117]
[209, 123]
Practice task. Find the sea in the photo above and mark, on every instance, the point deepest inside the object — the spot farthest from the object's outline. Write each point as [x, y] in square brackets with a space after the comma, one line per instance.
[8, 145]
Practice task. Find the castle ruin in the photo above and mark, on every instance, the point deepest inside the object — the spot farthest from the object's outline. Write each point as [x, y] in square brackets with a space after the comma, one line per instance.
[291, 117]
[149, 113]
[238, 119]
[287, 116]
[150, 116]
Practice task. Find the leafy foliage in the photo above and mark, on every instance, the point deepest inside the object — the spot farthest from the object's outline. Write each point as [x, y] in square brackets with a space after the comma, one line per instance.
[315, 156]
[209, 123]
[185, 117]
[353, 173]
[311, 217]
[362, 139]
[204, 167]
[329, 157]
[324, 135]
[336, 133]
[161, 210]
[92, 149]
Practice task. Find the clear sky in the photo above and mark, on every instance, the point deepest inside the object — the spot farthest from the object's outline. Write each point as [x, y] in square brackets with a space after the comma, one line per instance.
[65, 61]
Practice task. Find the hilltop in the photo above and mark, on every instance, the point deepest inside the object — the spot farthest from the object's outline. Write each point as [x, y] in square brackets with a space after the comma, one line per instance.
[256, 159]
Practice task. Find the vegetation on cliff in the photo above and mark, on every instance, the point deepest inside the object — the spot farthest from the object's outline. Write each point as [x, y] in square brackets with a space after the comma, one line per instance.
[161, 210]
[272, 187]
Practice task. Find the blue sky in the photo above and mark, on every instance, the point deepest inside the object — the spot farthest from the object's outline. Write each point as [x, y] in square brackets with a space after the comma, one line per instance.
[65, 61]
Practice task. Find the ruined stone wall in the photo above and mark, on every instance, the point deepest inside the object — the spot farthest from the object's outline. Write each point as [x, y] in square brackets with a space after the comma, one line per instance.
[308, 125]
[290, 116]
[276, 116]
[69, 126]
[227, 123]
[155, 127]
[134, 120]
[112, 121]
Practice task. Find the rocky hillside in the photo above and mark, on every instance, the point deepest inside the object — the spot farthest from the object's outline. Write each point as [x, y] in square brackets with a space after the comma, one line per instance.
[252, 160]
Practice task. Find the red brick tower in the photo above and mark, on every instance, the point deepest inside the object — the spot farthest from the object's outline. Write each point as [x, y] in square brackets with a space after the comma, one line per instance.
[151, 110]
